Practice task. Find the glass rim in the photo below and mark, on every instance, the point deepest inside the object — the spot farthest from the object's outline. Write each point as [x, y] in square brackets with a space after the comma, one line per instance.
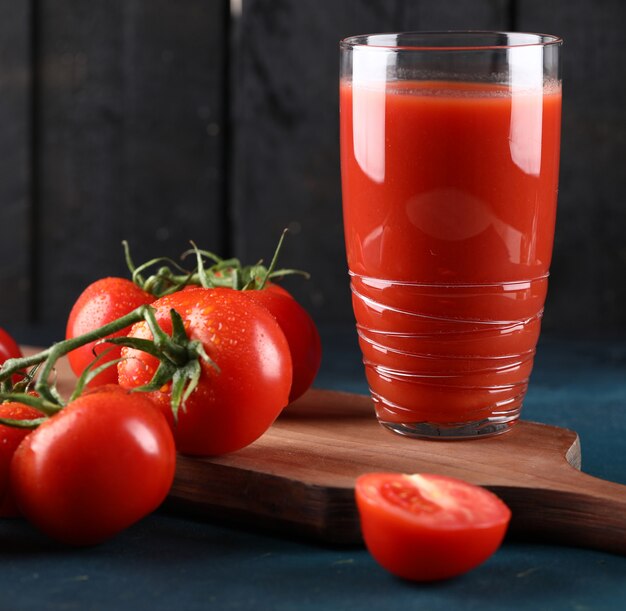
[368, 41]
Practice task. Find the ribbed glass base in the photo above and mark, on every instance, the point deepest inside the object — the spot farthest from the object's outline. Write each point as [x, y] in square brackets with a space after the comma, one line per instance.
[467, 430]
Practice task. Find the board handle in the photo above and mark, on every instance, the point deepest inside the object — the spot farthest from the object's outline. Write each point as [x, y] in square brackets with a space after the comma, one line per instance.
[582, 511]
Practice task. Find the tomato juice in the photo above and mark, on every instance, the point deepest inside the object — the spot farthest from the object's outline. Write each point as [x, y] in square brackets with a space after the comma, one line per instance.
[449, 199]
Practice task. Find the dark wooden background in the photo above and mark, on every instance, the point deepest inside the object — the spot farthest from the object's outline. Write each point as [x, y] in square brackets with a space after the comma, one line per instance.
[161, 122]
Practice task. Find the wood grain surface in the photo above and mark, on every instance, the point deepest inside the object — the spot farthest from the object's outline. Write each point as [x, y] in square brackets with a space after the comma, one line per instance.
[299, 477]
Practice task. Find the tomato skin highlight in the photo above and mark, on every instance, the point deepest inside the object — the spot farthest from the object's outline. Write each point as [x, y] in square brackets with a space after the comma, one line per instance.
[232, 407]
[434, 527]
[101, 464]
[301, 333]
[100, 303]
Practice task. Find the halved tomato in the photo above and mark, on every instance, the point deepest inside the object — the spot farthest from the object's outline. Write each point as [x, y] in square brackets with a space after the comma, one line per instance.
[426, 527]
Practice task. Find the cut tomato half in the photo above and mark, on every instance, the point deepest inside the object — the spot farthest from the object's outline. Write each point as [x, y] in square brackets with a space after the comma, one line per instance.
[426, 527]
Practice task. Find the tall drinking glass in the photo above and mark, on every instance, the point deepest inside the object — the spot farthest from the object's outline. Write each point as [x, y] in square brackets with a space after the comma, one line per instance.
[449, 161]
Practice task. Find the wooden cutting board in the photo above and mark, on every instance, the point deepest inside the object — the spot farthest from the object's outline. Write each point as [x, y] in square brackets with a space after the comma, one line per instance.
[299, 477]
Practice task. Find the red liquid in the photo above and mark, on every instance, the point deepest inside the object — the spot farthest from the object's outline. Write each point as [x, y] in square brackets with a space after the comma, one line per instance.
[449, 197]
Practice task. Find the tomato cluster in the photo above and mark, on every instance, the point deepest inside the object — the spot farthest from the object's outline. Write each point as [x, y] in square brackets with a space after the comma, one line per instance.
[233, 359]
[265, 346]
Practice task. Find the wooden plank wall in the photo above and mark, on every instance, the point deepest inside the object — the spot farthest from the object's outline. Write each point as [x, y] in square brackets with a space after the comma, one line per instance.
[588, 281]
[16, 166]
[121, 135]
[162, 121]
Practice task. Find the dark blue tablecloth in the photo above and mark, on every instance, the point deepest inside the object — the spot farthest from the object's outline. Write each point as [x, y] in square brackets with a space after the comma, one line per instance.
[173, 562]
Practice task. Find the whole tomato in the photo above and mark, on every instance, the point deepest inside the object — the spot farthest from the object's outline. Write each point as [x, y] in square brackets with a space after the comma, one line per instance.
[235, 404]
[426, 527]
[9, 350]
[8, 347]
[10, 438]
[102, 302]
[99, 465]
[301, 333]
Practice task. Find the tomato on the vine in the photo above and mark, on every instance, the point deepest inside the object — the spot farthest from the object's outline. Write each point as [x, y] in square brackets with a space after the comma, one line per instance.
[8, 347]
[103, 462]
[427, 527]
[301, 333]
[235, 403]
[102, 302]
[10, 438]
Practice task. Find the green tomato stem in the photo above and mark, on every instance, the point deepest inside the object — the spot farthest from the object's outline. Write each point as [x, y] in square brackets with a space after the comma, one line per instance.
[178, 355]
[51, 355]
[45, 407]
[274, 260]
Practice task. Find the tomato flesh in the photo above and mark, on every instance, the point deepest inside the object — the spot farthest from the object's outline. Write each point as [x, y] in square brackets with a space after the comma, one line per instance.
[407, 497]
[426, 527]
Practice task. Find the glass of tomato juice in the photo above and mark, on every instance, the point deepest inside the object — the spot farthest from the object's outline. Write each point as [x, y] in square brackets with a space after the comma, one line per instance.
[449, 164]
